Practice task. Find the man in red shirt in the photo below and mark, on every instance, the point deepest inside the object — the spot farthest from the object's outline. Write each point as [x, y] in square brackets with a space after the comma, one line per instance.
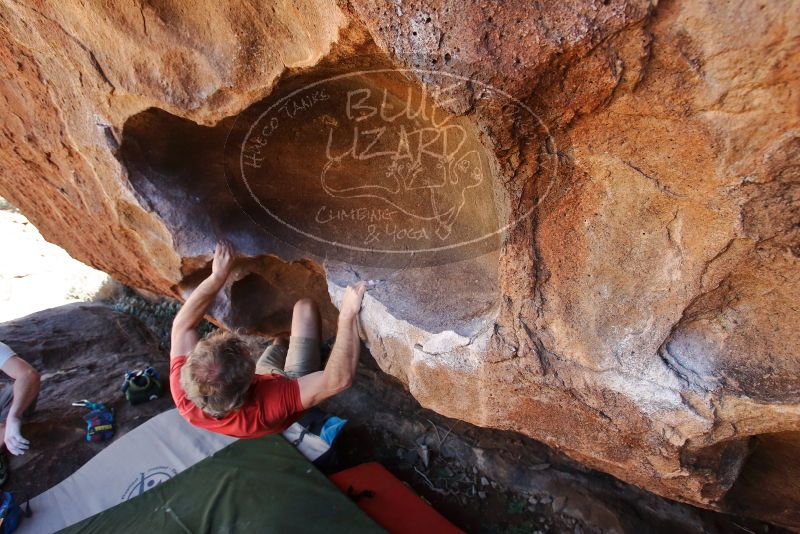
[218, 385]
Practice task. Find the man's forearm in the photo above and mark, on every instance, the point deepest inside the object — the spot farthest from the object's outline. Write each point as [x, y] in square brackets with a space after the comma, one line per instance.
[25, 390]
[198, 302]
[341, 367]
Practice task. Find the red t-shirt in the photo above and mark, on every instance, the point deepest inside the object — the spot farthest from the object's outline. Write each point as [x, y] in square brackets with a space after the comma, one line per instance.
[272, 405]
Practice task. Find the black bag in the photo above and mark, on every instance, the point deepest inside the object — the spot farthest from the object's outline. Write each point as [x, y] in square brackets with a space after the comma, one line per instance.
[314, 435]
[141, 386]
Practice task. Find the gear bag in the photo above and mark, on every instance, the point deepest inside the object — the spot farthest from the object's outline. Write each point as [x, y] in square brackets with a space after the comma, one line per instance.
[99, 421]
[141, 386]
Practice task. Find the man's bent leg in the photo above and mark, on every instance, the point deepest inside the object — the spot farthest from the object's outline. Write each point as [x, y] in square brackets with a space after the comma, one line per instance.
[305, 319]
[273, 359]
[303, 356]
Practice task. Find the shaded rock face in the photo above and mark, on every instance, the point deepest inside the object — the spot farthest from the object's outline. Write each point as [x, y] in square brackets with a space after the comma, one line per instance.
[82, 352]
[603, 198]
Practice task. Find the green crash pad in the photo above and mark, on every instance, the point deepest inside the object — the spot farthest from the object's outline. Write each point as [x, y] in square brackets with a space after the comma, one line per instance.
[252, 485]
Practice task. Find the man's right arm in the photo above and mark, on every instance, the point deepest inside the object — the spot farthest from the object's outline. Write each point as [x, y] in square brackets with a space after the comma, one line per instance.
[341, 368]
[184, 327]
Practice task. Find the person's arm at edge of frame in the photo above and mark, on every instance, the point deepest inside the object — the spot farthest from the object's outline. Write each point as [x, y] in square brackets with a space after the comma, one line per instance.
[341, 368]
[26, 386]
[184, 328]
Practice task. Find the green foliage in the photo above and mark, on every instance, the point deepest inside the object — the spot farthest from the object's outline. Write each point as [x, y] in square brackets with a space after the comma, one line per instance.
[516, 506]
[156, 315]
[5, 205]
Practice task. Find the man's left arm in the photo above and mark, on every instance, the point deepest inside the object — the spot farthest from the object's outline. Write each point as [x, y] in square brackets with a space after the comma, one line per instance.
[26, 387]
[184, 327]
[341, 367]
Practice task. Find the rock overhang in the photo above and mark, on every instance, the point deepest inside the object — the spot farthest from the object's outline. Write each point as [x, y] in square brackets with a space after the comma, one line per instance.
[587, 334]
[368, 179]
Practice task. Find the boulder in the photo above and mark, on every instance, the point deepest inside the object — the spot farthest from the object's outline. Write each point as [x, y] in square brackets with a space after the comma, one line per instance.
[581, 219]
[82, 351]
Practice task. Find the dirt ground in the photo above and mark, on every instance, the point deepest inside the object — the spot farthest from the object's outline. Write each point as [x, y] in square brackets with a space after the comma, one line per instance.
[459, 492]
[487, 481]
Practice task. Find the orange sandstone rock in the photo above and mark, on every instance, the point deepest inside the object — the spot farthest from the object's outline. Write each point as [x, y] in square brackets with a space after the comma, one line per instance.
[589, 237]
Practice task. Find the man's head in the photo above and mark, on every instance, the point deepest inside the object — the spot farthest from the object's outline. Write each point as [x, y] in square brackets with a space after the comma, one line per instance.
[218, 373]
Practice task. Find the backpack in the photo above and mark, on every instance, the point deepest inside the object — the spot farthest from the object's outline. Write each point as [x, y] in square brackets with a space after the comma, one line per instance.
[313, 435]
[11, 513]
[141, 386]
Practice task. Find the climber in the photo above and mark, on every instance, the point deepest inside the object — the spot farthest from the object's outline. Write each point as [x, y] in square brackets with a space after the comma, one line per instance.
[218, 385]
[16, 403]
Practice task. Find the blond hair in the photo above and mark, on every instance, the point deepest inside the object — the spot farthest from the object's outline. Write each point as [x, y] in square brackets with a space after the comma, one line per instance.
[218, 373]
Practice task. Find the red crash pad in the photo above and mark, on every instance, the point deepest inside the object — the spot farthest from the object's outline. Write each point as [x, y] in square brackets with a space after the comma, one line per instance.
[394, 506]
